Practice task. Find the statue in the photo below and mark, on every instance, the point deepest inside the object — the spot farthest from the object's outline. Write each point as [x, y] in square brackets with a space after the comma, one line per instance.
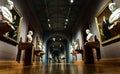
[115, 16]
[5, 14]
[29, 36]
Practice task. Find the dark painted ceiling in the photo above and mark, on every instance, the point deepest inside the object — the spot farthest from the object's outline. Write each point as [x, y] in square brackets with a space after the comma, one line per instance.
[57, 11]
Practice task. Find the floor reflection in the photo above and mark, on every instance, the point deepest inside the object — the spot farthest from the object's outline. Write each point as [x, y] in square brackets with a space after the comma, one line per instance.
[60, 69]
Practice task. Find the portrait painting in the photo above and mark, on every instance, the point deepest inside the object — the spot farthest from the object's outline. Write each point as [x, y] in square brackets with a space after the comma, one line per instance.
[106, 31]
[13, 36]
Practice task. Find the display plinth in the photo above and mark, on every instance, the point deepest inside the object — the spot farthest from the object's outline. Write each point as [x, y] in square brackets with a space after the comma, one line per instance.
[89, 56]
[74, 53]
[115, 30]
[79, 51]
[5, 27]
[39, 53]
[29, 52]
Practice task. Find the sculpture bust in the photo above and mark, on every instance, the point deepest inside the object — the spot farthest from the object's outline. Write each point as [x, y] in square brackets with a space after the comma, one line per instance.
[39, 46]
[5, 14]
[75, 45]
[29, 36]
[89, 35]
[9, 4]
[115, 16]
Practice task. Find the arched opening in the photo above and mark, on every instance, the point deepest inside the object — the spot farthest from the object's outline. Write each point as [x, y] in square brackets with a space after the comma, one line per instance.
[57, 46]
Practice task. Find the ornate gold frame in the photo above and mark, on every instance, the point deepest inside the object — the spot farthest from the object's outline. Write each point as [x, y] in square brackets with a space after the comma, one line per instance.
[98, 19]
[17, 19]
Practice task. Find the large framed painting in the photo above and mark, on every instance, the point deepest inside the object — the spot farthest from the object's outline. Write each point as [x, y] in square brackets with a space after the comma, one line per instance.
[106, 35]
[13, 36]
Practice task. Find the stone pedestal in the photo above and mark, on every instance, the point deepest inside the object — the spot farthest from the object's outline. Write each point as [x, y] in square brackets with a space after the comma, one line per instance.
[29, 52]
[89, 56]
[5, 27]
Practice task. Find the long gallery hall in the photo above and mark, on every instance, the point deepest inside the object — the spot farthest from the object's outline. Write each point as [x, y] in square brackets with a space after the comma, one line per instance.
[59, 36]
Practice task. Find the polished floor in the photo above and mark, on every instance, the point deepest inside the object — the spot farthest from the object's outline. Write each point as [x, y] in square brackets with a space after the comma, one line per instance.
[102, 67]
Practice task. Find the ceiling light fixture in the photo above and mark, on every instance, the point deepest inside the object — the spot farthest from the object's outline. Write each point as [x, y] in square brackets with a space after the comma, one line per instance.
[71, 1]
[60, 39]
[49, 25]
[53, 39]
[60, 45]
[48, 20]
[65, 23]
[53, 46]
[65, 27]
[66, 20]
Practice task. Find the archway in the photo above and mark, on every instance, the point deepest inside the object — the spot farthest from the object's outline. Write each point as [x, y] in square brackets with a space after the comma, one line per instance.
[56, 46]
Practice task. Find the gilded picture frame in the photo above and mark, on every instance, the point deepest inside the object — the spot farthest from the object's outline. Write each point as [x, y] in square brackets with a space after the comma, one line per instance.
[13, 36]
[105, 37]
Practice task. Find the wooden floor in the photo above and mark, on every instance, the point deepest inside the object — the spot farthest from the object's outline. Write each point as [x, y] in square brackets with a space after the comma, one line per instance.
[101, 67]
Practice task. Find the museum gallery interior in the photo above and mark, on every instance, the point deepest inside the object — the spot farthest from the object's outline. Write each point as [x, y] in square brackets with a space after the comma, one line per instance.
[59, 36]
